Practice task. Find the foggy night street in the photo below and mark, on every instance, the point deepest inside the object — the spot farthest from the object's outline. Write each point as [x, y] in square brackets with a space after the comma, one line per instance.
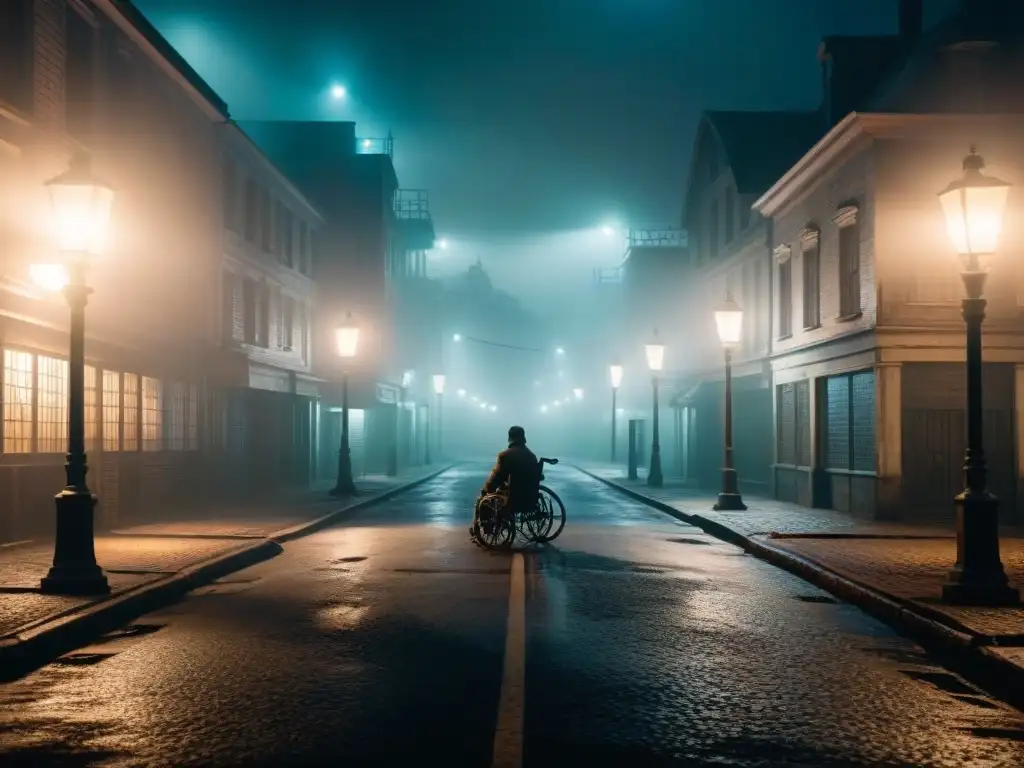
[380, 642]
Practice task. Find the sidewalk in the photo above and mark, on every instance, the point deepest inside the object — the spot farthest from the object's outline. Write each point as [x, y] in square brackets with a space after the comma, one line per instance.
[893, 570]
[149, 564]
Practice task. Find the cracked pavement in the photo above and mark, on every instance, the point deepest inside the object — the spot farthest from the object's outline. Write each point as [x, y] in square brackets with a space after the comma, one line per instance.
[382, 641]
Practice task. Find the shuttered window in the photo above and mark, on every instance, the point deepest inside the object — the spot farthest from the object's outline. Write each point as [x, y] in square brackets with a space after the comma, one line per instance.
[851, 422]
[812, 285]
[849, 270]
[793, 424]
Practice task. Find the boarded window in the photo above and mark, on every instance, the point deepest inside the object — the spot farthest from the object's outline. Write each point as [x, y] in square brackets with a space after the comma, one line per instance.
[851, 422]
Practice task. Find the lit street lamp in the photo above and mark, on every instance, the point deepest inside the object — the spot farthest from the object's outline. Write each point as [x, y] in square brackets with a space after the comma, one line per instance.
[729, 319]
[973, 206]
[615, 371]
[347, 339]
[439, 391]
[338, 92]
[655, 359]
[81, 208]
[578, 393]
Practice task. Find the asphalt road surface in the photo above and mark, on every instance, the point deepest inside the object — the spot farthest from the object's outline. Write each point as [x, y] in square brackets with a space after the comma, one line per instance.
[633, 640]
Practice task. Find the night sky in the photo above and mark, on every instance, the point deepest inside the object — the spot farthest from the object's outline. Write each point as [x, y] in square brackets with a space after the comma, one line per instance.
[531, 122]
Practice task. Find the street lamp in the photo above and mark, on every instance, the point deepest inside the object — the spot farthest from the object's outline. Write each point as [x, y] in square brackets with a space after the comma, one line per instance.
[81, 210]
[439, 391]
[729, 319]
[456, 337]
[338, 92]
[578, 393]
[655, 359]
[346, 338]
[973, 206]
[461, 393]
[615, 371]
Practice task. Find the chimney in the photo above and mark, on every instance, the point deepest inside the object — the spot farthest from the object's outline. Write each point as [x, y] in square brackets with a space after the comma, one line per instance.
[911, 19]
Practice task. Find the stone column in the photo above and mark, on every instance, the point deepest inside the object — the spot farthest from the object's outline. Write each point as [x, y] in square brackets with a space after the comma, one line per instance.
[888, 441]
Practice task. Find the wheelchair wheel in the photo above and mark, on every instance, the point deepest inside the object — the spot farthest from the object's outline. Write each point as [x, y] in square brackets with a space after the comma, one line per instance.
[556, 513]
[495, 529]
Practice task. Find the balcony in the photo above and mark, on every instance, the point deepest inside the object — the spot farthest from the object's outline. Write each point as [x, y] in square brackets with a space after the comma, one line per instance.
[668, 237]
[412, 209]
[375, 146]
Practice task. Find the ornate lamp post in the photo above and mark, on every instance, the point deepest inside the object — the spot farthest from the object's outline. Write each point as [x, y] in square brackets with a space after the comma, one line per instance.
[439, 391]
[346, 337]
[81, 208]
[615, 372]
[973, 206]
[729, 320]
[655, 359]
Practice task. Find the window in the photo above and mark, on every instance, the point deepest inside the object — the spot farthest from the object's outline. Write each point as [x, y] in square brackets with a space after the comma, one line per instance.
[288, 322]
[303, 245]
[249, 301]
[730, 216]
[850, 422]
[229, 181]
[192, 425]
[111, 411]
[18, 427]
[713, 229]
[176, 412]
[785, 293]
[263, 315]
[52, 404]
[811, 254]
[266, 218]
[251, 211]
[92, 423]
[300, 331]
[79, 73]
[849, 262]
[152, 414]
[130, 409]
[16, 53]
[285, 231]
[793, 424]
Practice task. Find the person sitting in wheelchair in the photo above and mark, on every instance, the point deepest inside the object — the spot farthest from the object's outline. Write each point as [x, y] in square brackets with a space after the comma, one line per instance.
[518, 468]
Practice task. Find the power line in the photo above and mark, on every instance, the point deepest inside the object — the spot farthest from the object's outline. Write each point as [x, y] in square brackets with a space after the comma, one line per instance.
[503, 346]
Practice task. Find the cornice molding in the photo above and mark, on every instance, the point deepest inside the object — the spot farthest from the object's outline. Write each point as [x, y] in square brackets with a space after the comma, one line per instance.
[860, 127]
[782, 253]
[809, 238]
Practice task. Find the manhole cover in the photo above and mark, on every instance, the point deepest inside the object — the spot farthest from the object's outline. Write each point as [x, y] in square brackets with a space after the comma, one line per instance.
[816, 599]
[82, 659]
[133, 630]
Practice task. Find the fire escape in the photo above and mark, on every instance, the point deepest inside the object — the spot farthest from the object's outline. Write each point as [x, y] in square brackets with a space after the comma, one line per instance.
[412, 209]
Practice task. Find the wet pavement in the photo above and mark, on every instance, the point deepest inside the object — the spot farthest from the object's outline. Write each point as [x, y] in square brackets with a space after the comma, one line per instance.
[382, 641]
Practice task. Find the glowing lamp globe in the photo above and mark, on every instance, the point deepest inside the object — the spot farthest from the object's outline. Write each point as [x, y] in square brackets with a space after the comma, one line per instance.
[615, 371]
[346, 338]
[578, 393]
[729, 321]
[439, 383]
[655, 353]
[974, 206]
[81, 206]
[50, 277]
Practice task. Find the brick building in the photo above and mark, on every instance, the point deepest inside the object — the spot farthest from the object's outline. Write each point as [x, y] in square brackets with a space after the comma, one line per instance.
[163, 362]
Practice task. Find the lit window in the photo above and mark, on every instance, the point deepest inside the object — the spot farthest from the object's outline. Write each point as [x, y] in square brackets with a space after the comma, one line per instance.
[176, 429]
[17, 402]
[52, 406]
[192, 426]
[111, 411]
[152, 414]
[91, 416]
[131, 411]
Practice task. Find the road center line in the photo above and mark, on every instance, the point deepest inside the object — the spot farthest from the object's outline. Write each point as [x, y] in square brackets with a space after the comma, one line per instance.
[508, 736]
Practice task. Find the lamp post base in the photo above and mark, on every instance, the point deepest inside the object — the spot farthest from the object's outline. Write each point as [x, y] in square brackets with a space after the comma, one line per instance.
[74, 570]
[654, 476]
[978, 578]
[729, 498]
[729, 502]
[344, 489]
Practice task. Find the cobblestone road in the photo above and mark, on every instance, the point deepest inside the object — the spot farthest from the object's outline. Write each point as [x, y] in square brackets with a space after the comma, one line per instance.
[383, 641]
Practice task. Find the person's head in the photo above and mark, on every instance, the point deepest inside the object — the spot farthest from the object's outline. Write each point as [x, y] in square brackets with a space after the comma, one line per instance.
[516, 436]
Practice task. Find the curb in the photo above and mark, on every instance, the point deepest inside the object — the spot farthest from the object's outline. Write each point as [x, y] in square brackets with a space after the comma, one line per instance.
[989, 669]
[39, 643]
[305, 529]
